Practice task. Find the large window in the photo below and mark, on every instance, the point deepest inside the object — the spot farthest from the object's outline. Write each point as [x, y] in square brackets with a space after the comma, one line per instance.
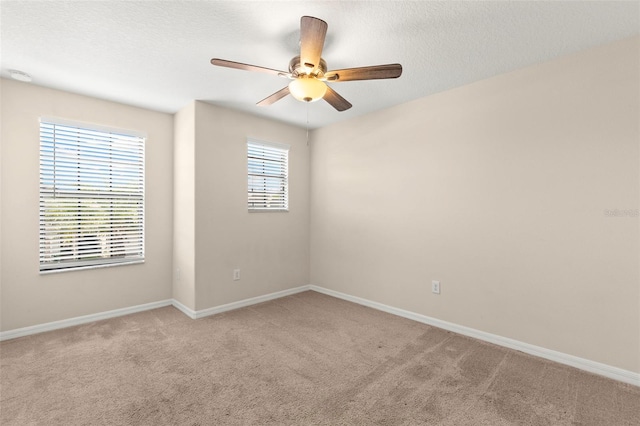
[91, 196]
[267, 165]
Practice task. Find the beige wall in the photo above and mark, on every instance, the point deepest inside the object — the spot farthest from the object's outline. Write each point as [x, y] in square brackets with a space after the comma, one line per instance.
[29, 298]
[498, 189]
[184, 279]
[270, 249]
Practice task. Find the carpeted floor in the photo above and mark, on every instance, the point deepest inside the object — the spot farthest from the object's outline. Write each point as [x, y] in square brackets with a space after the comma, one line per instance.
[307, 359]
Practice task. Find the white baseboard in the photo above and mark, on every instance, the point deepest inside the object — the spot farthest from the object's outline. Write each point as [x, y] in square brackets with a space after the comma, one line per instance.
[55, 325]
[605, 370]
[246, 302]
[184, 309]
[560, 357]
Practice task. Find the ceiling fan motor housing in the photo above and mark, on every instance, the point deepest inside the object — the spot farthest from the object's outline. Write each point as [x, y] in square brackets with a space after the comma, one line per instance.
[297, 69]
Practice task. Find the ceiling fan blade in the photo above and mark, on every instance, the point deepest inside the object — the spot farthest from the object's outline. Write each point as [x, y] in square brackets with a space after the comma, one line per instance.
[365, 73]
[335, 100]
[275, 97]
[312, 34]
[246, 67]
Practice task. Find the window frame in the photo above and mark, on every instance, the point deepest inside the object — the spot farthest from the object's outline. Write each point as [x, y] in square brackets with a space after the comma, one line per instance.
[124, 241]
[282, 148]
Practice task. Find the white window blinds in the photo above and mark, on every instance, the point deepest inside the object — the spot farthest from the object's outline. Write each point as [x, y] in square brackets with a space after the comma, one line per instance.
[268, 176]
[91, 197]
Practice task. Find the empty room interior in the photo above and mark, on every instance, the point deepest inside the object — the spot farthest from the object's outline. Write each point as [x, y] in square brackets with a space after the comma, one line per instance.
[230, 212]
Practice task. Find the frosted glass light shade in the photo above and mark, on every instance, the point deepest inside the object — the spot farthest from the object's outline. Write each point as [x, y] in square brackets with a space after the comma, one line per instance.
[307, 89]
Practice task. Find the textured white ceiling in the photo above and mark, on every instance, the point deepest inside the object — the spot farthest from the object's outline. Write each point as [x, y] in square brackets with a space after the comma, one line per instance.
[155, 54]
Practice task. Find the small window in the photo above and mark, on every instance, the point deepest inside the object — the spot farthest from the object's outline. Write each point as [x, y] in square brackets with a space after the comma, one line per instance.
[91, 196]
[267, 165]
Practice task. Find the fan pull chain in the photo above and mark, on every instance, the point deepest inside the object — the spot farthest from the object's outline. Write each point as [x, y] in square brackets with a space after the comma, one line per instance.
[307, 124]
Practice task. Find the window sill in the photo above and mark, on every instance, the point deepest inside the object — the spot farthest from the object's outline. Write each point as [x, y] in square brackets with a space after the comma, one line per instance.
[82, 268]
[268, 210]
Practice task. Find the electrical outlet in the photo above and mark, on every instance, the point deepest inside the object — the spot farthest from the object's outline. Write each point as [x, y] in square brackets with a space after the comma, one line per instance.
[236, 274]
[435, 287]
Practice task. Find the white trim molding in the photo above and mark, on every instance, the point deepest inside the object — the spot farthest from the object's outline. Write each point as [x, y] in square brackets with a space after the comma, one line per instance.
[605, 370]
[236, 305]
[55, 325]
[184, 309]
[248, 302]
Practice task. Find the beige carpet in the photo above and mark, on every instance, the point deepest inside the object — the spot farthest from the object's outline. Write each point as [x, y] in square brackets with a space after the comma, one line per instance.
[307, 359]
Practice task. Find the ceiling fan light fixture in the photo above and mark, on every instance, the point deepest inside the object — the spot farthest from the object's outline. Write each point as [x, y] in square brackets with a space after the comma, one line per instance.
[307, 89]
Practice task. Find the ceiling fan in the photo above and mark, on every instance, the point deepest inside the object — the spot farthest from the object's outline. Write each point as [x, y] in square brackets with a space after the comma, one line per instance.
[308, 71]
